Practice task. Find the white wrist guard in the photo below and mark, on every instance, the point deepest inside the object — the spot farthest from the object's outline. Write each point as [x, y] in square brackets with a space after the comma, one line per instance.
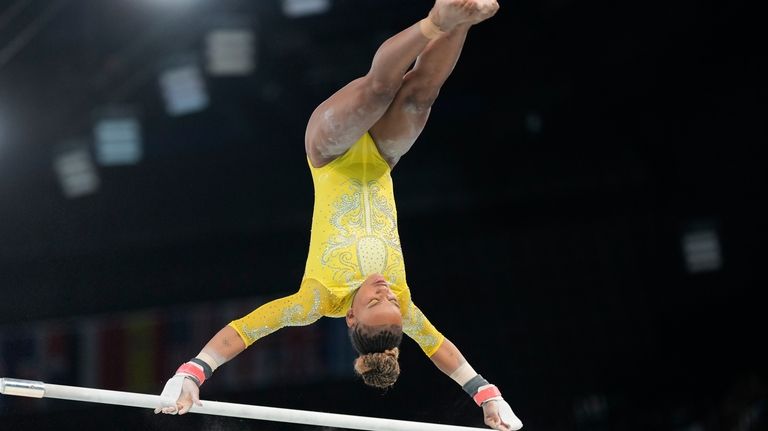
[463, 374]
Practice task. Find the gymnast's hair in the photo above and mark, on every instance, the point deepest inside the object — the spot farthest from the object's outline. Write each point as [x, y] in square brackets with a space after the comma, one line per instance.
[378, 349]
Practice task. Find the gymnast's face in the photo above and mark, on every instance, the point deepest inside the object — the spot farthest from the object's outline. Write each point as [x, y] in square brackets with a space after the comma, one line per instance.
[375, 304]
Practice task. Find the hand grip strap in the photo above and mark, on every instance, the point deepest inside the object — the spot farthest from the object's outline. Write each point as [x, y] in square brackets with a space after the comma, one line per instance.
[193, 371]
[485, 394]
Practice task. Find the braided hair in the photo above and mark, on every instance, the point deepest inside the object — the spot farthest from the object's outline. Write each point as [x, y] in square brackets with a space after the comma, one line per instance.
[378, 353]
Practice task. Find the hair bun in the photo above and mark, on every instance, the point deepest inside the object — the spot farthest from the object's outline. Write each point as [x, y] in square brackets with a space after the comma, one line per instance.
[379, 369]
[378, 350]
[361, 364]
[393, 352]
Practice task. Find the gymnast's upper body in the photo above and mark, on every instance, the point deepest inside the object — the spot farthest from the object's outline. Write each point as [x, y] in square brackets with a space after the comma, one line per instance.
[354, 253]
[354, 269]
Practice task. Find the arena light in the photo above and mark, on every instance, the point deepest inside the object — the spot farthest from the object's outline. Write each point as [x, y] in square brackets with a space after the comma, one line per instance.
[172, 4]
[300, 8]
[230, 52]
[75, 169]
[701, 248]
[117, 137]
[534, 123]
[184, 89]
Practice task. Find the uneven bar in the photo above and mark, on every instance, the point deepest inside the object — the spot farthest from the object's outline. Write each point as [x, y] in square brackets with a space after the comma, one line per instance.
[28, 388]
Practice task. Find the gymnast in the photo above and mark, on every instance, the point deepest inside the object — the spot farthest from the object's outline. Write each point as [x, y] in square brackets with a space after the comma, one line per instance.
[355, 265]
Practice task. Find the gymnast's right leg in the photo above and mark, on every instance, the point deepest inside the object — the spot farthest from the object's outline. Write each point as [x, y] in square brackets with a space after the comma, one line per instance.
[343, 118]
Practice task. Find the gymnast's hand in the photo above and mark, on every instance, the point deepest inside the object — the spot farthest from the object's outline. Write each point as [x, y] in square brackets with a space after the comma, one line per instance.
[499, 416]
[184, 391]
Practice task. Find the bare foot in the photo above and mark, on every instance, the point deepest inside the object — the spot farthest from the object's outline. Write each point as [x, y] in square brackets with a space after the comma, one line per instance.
[483, 10]
[448, 14]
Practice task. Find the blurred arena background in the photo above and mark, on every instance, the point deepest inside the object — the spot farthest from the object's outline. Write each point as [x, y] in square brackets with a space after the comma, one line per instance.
[595, 172]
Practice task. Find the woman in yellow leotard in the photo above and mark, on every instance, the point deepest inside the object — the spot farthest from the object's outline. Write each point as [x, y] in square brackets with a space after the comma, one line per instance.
[355, 267]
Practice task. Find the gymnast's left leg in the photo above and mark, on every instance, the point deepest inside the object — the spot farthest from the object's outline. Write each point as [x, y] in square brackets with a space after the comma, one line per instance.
[397, 130]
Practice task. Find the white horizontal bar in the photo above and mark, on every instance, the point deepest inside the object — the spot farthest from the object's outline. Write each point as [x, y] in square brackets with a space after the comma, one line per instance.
[132, 399]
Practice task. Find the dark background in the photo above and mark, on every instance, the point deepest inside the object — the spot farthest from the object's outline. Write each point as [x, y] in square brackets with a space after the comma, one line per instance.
[550, 255]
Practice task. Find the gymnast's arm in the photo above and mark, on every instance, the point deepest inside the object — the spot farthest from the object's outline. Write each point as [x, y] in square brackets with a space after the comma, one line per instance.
[497, 413]
[302, 308]
[447, 357]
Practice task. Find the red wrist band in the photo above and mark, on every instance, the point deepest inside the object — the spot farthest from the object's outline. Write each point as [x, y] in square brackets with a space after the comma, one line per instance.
[194, 371]
[485, 394]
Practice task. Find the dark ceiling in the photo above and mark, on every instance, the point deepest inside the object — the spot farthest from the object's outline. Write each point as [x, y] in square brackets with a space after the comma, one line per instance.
[624, 91]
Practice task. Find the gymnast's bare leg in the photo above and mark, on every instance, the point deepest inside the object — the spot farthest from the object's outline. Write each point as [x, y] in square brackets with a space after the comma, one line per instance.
[358, 107]
[401, 125]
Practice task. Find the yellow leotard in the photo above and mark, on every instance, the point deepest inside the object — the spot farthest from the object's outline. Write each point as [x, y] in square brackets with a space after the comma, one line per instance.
[354, 234]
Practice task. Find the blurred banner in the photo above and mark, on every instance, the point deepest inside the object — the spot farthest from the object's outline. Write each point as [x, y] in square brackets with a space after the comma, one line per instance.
[138, 351]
